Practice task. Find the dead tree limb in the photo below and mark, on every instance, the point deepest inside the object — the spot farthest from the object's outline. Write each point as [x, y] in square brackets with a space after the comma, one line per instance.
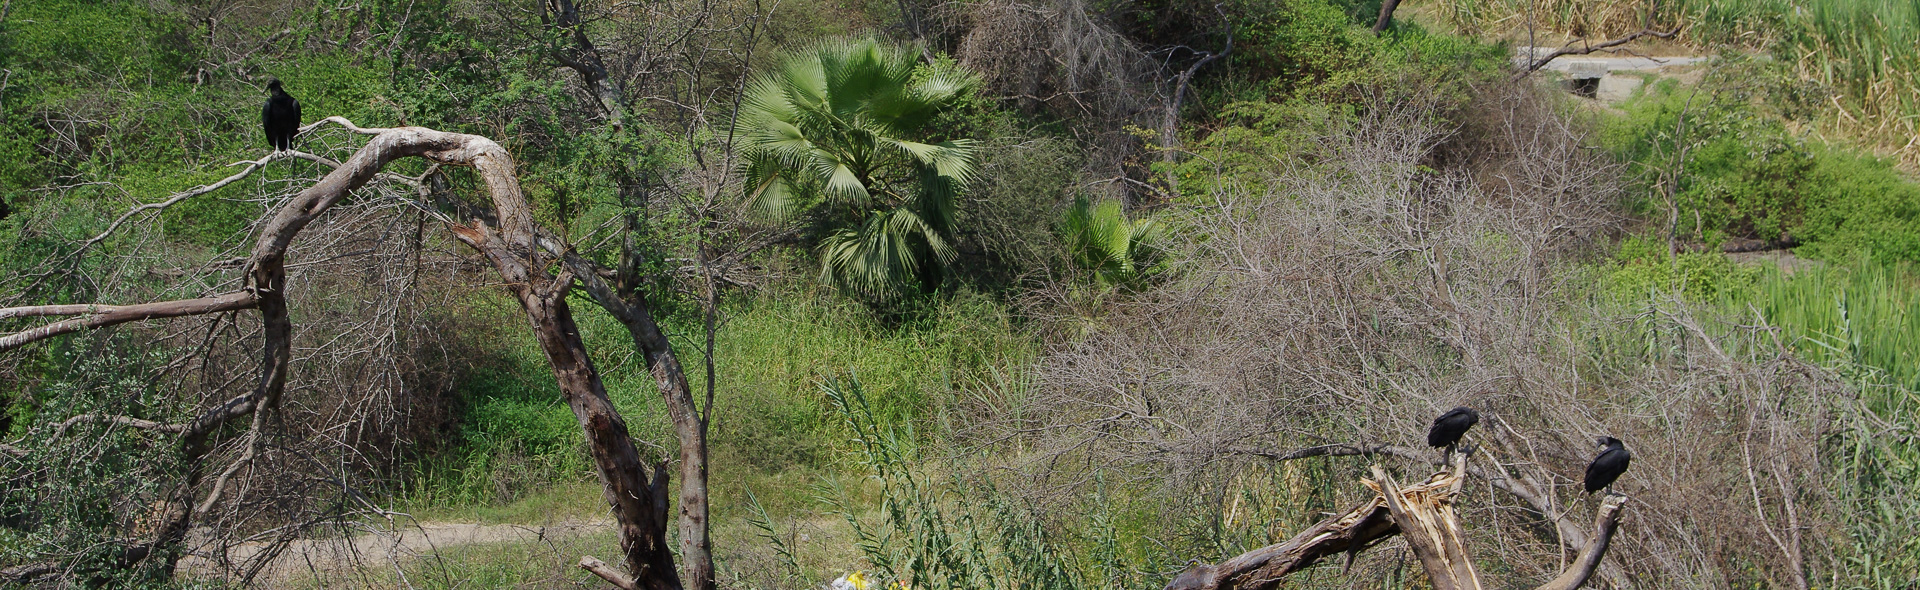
[622, 298]
[606, 572]
[98, 316]
[1535, 494]
[1583, 567]
[1425, 516]
[1426, 509]
[1348, 532]
[638, 500]
[1534, 64]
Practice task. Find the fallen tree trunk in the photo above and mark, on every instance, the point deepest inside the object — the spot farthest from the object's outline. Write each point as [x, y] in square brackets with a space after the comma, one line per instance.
[1349, 532]
[1436, 539]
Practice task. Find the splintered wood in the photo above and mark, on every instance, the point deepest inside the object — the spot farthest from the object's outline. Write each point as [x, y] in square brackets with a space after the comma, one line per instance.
[1425, 516]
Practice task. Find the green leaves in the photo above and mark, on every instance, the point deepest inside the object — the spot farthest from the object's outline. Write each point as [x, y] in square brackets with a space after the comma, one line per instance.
[1118, 251]
[844, 127]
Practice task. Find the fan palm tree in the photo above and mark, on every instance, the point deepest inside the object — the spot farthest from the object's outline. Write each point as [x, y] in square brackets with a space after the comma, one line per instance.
[1117, 250]
[844, 126]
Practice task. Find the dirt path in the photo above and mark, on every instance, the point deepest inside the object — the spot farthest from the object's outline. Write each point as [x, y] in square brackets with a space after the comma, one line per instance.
[377, 548]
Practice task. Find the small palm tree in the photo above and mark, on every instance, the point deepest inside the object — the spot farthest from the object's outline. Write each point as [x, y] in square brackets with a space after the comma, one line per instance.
[1117, 250]
[843, 126]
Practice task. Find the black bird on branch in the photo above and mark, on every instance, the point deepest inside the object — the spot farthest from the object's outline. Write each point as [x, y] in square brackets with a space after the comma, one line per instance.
[280, 117]
[1608, 466]
[1449, 427]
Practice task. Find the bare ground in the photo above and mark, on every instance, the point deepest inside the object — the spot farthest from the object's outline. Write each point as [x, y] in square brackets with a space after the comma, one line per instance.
[376, 547]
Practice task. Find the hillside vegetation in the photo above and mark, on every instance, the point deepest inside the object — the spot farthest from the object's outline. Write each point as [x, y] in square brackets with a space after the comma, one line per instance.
[989, 294]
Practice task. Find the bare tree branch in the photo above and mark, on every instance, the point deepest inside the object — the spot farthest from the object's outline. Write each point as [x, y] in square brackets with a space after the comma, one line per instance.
[1267, 567]
[107, 315]
[606, 572]
[1582, 568]
[1607, 46]
[510, 245]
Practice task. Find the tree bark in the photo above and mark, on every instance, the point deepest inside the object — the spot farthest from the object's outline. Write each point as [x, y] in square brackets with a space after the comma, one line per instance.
[1267, 567]
[542, 295]
[98, 316]
[582, 57]
[627, 304]
[1425, 516]
[1605, 522]
[1386, 15]
[671, 378]
[1425, 509]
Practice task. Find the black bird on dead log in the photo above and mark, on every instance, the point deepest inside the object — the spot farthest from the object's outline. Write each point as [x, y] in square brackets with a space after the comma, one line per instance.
[1449, 427]
[280, 117]
[1607, 467]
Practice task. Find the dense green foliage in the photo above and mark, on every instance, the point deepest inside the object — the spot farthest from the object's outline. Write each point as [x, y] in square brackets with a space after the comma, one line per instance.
[845, 127]
[1115, 249]
[1744, 175]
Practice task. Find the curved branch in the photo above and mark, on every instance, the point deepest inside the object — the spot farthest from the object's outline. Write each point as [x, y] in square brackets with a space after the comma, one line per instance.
[252, 166]
[351, 126]
[638, 500]
[1348, 532]
[1582, 568]
[107, 315]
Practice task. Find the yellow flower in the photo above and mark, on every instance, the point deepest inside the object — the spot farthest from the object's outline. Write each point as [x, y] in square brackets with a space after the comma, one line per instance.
[854, 581]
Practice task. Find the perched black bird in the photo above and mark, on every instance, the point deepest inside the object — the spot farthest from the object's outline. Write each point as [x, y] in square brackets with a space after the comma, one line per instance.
[280, 117]
[1608, 466]
[1448, 428]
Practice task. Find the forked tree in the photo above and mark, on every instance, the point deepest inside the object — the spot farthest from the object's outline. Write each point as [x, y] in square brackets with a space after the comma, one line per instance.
[1423, 513]
[537, 269]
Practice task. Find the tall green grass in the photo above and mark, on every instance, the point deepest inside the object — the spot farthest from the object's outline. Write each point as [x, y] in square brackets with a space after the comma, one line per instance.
[1858, 318]
[1858, 312]
[516, 436]
[1862, 320]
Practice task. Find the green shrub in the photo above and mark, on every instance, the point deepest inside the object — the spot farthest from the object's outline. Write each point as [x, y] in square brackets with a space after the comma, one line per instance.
[1644, 267]
[1745, 175]
[1118, 251]
[71, 498]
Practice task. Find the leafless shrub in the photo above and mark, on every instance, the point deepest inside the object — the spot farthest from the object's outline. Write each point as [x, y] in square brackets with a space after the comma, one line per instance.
[1415, 265]
[1057, 57]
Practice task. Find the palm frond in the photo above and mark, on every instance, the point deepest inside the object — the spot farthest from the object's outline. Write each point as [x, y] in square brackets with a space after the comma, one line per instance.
[869, 260]
[834, 123]
[1115, 249]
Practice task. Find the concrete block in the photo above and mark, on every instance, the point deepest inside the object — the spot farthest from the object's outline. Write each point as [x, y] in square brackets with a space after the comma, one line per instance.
[1618, 88]
[1581, 69]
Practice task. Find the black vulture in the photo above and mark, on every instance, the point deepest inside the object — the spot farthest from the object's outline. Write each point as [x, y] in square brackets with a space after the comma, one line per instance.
[1608, 466]
[280, 117]
[1448, 428]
